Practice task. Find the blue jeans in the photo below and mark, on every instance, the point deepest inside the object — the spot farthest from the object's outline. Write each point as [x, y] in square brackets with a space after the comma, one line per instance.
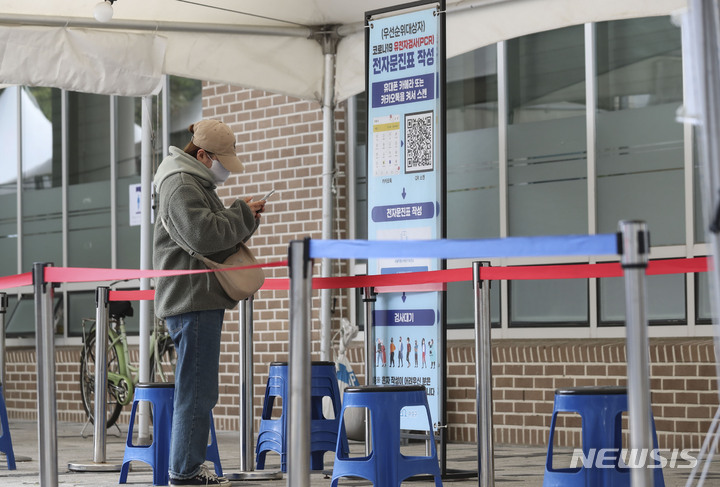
[197, 342]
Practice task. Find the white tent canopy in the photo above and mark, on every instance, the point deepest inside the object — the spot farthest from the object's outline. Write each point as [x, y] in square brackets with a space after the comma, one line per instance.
[269, 45]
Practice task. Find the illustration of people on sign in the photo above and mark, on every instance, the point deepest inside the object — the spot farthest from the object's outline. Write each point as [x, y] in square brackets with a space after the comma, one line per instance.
[407, 355]
[431, 353]
[400, 352]
[378, 354]
[392, 353]
[416, 353]
[382, 351]
[423, 350]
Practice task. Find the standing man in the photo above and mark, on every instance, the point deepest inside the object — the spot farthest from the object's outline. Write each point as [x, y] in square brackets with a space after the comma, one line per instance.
[193, 305]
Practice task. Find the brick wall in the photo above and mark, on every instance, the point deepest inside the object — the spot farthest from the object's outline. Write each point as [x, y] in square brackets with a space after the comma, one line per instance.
[525, 375]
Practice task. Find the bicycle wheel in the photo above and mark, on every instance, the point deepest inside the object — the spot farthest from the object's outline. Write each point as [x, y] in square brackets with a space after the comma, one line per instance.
[87, 382]
[163, 370]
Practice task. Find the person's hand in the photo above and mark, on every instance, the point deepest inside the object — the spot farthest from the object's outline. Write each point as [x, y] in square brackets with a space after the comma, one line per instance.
[256, 206]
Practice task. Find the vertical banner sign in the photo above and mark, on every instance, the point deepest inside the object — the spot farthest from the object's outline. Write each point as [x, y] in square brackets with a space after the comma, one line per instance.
[405, 159]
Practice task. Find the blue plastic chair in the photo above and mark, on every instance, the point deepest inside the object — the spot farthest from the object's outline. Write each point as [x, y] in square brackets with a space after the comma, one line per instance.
[386, 466]
[157, 454]
[600, 408]
[5, 440]
[272, 435]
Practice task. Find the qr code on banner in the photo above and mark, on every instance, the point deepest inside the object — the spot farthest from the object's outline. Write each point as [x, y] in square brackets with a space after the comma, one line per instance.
[419, 142]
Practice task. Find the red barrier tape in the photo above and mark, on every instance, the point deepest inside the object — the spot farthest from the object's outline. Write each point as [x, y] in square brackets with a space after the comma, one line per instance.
[18, 280]
[382, 283]
[91, 274]
[145, 295]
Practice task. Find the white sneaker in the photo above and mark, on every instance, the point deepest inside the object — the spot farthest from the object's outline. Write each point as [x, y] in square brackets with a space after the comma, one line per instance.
[205, 477]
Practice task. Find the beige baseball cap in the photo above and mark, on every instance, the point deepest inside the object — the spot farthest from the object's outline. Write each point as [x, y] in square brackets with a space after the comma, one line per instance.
[218, 139]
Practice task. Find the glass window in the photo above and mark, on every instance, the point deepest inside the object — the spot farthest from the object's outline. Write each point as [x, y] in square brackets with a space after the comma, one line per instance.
[89, 180]
[128, 124]
[557, 302]
[21, 316]
[41, 177]
[665, 300]
[8, 180]
[461, 304]
[640, 156]
[701, 218]
[704, 309]
[185, 108]
[639, 142]
[472, 167]
[547, 163]
[472, 145]
[81, 306]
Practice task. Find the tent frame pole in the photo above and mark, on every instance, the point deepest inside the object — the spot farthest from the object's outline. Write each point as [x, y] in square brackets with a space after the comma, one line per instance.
[328, 39]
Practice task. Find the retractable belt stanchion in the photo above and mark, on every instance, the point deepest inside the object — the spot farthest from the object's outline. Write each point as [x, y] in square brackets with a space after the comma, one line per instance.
[45, 350]
[3, 310]
[298, 455]
[102, 319]
[369, 300]
[247, 433]
[634, 247]
[483, 378]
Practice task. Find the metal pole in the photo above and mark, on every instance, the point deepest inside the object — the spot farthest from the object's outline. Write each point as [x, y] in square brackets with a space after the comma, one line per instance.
[329, 44]
[102, 321]
[298, 455]
[369, 299]
[45, 351]
[634, 248]
[247, 433]
[246, 385]
[101, 337]
[483, 378]
[146, 313]
[3, 311]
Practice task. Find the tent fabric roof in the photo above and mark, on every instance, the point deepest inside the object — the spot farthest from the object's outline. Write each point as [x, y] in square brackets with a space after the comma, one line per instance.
[264, 44]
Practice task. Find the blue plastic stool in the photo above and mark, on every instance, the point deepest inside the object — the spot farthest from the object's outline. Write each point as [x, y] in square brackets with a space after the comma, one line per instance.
[386, 466]
[5, 440]
[324, 431]
[600, 408]
[272, 435]
[157, 454]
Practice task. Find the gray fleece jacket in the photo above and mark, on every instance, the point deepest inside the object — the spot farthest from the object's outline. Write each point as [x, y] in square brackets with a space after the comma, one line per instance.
[194, 214]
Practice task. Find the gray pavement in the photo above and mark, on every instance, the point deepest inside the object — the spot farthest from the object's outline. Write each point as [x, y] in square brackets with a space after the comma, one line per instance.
[515, 466]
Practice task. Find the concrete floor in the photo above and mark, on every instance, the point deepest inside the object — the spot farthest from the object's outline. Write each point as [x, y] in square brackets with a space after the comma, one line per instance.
[515, 466]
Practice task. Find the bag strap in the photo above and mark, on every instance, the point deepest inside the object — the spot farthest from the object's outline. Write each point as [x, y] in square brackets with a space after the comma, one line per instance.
[181, 244]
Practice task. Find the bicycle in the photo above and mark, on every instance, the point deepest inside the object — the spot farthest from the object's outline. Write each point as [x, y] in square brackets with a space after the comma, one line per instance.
[122, 375]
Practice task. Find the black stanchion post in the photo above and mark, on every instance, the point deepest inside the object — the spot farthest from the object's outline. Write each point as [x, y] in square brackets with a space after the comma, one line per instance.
[369, 300]
[45, 351]
[247, 434]
[3, 311]
[102, 321]
[483, 377]
[298, 451]
[634, 248]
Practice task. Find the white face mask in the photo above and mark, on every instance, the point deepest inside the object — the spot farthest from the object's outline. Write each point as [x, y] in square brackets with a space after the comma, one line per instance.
[220, 174]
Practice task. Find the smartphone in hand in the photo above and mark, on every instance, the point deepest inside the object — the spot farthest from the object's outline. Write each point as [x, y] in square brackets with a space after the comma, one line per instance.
[264, 198]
